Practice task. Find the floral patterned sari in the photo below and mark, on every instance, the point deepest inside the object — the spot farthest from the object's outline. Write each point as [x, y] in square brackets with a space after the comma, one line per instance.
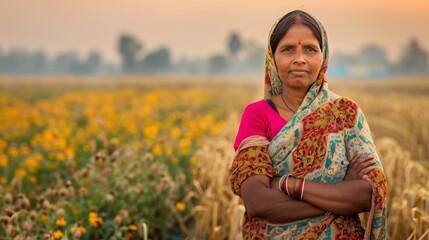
[315, 144]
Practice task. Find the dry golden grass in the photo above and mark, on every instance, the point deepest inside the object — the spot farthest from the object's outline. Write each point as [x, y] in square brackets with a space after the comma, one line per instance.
[218, 213]
[408, 192]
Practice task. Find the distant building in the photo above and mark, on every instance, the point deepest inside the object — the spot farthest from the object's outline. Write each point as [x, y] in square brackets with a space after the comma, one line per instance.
[370, 62]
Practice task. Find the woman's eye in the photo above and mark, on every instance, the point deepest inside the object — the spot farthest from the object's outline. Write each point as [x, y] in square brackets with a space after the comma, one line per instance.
[311, 49]
[288, 49]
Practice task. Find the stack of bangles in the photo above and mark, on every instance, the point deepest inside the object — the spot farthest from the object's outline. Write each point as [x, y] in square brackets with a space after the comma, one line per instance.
[298, 191]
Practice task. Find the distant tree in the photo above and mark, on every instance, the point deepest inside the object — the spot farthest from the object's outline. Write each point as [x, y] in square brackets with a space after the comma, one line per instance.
[343, 60]
[234, 44]
[93, 63]
[255, 57]
[414, 59]
[2, 61]
[39, 63]
[17, 62]
[129, 49]
[157, 61]
[373, 56]
[189, 66]
[67, 63]
[218, 64]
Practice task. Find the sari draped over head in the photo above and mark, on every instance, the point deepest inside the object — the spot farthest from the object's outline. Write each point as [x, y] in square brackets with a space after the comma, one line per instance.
[316, 144]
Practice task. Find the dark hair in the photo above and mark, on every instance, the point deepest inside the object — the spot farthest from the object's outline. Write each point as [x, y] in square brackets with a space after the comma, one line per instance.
[288, 21]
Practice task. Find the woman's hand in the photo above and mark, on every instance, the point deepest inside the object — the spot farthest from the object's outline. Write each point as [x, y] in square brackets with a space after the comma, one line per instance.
[359, 166]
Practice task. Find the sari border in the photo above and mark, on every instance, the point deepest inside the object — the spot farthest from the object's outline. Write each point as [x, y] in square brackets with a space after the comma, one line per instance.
[252, 141]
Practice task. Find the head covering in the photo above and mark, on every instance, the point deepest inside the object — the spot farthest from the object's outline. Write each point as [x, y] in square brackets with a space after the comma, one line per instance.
[273, 84]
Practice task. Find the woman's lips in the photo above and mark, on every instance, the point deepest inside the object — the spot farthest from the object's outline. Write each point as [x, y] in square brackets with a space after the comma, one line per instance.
[298, 71]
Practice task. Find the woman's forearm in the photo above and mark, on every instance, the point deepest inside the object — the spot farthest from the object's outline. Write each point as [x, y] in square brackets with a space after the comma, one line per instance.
[272, 205]
[343, 198]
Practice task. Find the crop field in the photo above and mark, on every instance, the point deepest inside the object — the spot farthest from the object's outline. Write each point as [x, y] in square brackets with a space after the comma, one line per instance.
[147, 157]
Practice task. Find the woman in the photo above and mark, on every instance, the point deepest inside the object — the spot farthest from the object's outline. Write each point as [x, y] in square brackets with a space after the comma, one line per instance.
[305, 163]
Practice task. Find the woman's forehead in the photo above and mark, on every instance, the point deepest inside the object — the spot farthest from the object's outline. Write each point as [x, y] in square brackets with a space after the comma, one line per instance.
[300, 33]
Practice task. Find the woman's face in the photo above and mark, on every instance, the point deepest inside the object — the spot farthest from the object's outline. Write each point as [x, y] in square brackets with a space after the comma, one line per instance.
[298, 57]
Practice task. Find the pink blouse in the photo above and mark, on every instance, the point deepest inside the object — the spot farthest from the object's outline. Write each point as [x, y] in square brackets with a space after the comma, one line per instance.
[259, 119]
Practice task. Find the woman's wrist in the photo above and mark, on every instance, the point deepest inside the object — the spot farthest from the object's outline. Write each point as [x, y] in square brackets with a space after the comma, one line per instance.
[274, 183]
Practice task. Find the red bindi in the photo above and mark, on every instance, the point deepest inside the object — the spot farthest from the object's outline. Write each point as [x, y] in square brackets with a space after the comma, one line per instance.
[299, 43]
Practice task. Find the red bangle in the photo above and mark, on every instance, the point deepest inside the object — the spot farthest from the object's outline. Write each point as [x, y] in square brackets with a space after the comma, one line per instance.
[295, 191]
[300, 189]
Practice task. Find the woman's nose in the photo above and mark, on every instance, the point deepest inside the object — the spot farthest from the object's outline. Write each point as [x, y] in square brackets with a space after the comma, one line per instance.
[299, 57]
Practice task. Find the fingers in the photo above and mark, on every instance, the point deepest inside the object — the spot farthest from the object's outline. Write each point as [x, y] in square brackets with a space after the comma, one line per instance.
[359, 166]
[352, 165]
[365, 165]
[366, 171]
[353, 161]
[366, 161]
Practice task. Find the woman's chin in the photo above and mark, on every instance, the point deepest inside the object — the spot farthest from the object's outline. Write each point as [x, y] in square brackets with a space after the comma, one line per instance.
[299, 82]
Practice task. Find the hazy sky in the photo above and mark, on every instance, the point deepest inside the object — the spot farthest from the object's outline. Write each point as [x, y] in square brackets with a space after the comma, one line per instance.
[197, 28]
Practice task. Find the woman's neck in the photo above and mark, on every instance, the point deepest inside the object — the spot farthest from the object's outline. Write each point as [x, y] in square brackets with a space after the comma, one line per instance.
[293, 98]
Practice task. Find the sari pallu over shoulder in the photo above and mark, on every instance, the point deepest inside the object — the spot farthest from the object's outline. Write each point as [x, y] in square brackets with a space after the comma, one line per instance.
[316, 144]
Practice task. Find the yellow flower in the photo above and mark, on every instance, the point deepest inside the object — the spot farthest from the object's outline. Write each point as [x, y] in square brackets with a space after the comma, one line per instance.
[185, 143]
[31, 163]
[157, 150]
[3, 180]
[13, 151]
[60, 157]
[20, 172]
[44, 217]
[3, 161]
[114, 141]
[82, 229]
[75, 211]
[180, 206]
[3, 145]
[38, 157]
[69, 153]
[25, 150]
[58, 234]
[217, 127]
[151, 131]
[95, 220]
[76, 228]
[83, 190]
[132, 228]
[175, 132]
[61, 222]
[93, 215]
[174, 160]
[32, 179]
[168, 150]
